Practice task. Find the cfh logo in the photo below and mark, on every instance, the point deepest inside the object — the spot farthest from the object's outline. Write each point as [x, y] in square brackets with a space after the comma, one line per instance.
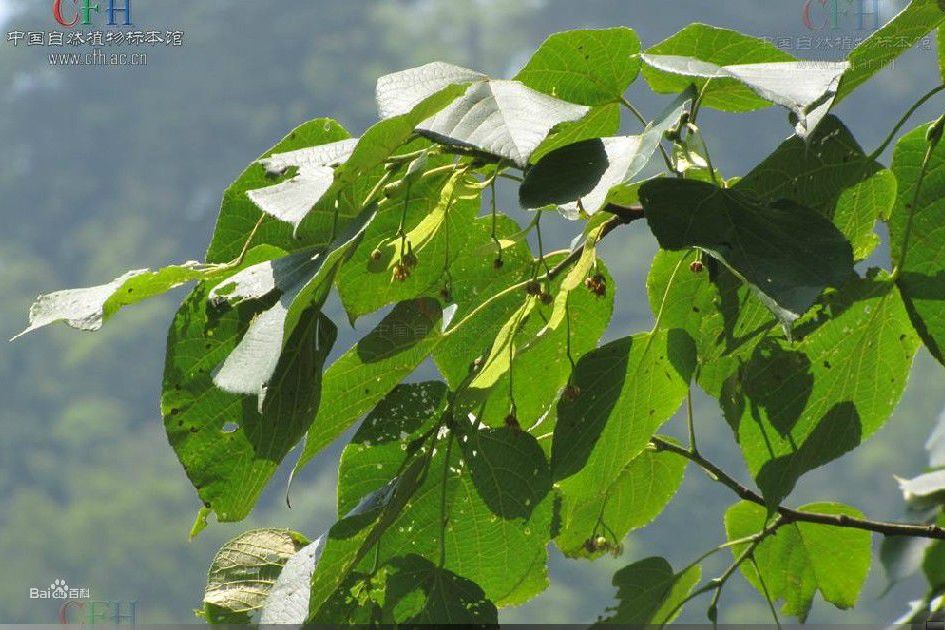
[72, 12]
[819, 15]
[95, 612]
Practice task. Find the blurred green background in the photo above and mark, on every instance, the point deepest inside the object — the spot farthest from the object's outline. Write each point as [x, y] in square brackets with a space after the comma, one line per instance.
[106, 169]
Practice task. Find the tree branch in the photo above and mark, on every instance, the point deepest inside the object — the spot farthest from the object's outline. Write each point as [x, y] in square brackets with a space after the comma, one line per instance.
[789, 515]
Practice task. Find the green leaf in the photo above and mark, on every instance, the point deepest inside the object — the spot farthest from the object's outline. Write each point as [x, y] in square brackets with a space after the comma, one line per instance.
[360, 171]
[802, 558]
[718, 311]
[239, 215]
[419, 592]
[480, 291]
[348, 541]
[626, 390]
[586, 171]
[505, 555]
[629, 501]
[648, 591]
[940, 49]
[303, 284]
[244, 571]
[364, 375]
[589, 67]
[796, 406]
[376, 451]
[89, 308]
[502, 118]
[806, 90]
[828, 172]
[922, 274]
[895, 37]
[720, 47]
[787, 252]
[439, 212]
[228, 446]
[573, 323]
[599, 122]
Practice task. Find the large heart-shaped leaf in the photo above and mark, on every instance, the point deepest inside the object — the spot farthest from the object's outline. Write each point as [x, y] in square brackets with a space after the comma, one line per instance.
[718, 47]
[803, 558]
[797, 406]
[787, 252]
[650, 593]
[589, 67]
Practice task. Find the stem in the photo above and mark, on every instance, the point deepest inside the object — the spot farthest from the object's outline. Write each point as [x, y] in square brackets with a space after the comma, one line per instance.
[907, 234]
[767, 593]
[902, 121]
[690, 423]
[792, 516]
[633, 110]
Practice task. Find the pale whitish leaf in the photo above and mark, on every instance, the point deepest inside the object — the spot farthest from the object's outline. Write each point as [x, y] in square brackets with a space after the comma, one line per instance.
[936, 443]
[248, 368]
[400, 92]
[503, 118]
[89, 308]
[331, 154]
[923, 486]
[261, 279]
[239, 215]
[291, 200]
[288, 599]
[587, 171]
[244, 571]
[805, 88]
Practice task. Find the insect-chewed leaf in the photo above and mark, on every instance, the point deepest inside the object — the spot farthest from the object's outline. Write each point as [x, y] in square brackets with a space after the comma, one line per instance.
[897, 36]
[227, 445]
[361, 377]
[787, 252]
[717, 47]
[796, 406]
[589, 67]
[802, 558]
[921, 261]
[419, 592]
[244, 571]
[239, 215]
[378, 448]
[650, 593]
